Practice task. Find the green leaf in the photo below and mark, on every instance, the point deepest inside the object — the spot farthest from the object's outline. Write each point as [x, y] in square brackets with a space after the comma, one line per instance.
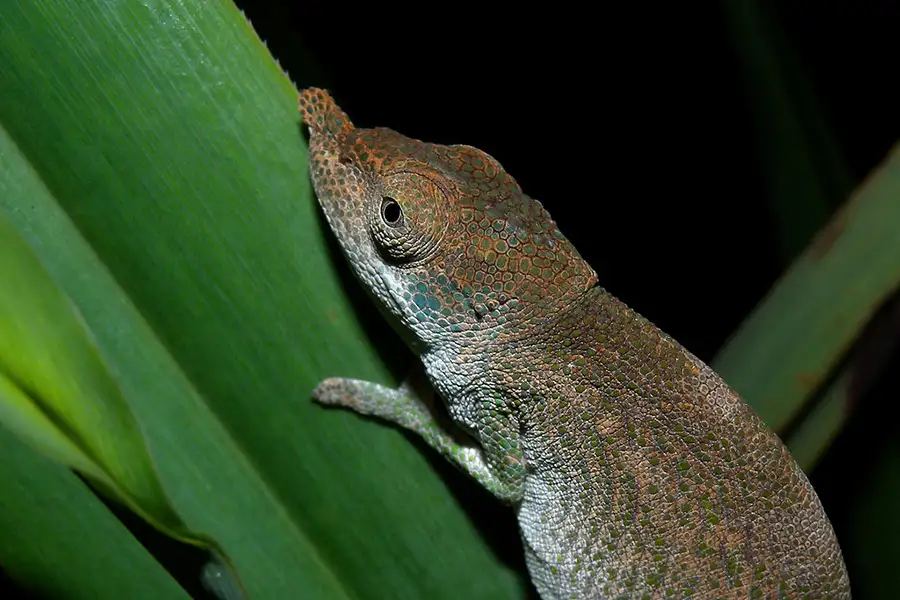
[787, 349]
[54, 389]
[62, 542]
[176, 215]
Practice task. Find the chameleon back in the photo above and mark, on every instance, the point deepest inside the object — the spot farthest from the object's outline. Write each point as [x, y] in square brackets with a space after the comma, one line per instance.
[652, 478]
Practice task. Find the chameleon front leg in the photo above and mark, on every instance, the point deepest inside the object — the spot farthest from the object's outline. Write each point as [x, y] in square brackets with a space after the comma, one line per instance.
[500, 469]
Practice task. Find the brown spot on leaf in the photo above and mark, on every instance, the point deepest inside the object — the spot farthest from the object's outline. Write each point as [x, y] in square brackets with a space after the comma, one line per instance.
[826, 238]
[807, 381]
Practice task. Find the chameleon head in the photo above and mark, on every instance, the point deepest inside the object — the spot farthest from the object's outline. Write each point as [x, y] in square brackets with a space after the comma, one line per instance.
[442, 235]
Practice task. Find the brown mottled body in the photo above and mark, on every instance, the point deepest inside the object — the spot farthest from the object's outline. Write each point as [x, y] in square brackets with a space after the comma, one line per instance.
[673, 477]
[634, 470]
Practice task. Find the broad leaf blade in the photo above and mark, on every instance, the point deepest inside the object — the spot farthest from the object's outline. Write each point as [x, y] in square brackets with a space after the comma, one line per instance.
[182, 226]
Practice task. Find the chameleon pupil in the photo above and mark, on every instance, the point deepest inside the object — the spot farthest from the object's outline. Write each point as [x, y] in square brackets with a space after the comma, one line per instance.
[390, 211]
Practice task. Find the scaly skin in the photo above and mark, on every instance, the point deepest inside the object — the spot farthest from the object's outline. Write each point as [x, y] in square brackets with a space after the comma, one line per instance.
[635, 471]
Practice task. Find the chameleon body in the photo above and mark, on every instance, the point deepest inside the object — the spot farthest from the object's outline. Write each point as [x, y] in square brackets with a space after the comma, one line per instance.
[634, 470]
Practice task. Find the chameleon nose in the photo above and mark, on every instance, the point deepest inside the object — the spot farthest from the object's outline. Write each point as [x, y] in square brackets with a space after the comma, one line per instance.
[320, 112]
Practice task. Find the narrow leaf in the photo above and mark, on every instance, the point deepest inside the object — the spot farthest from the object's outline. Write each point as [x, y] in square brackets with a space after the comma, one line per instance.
[56, 393]
[178, 218]
[61, 543]
[783, 353]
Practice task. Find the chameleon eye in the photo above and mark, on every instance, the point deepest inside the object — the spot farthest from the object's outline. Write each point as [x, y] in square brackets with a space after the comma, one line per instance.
[391, 212]
[411, 219]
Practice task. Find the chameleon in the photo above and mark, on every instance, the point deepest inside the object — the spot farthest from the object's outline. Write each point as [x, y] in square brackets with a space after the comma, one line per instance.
[634, 470]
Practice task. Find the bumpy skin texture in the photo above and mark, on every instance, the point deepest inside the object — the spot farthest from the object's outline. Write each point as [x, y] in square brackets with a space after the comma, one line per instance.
[634, 470]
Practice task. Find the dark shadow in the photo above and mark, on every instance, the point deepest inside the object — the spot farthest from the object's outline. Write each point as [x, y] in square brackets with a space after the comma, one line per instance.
[10, 588]
[183, 562]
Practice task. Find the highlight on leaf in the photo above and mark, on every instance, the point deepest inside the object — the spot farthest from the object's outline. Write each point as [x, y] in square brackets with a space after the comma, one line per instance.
[58, 396]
